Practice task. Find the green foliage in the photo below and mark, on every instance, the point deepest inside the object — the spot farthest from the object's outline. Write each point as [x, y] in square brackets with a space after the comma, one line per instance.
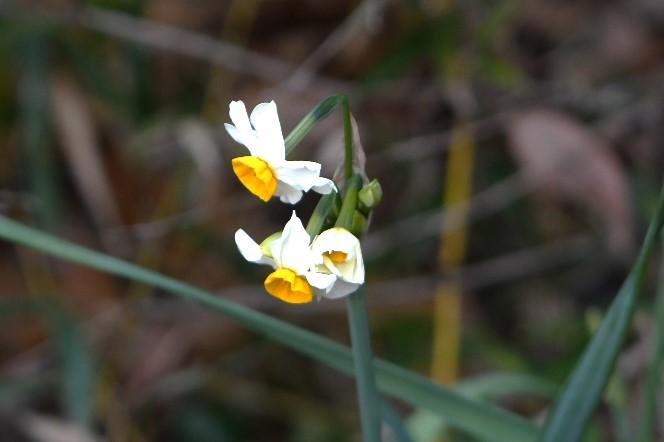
[483, 420]
[39, 154]
[74, 361]
[321, 111]
[583, 390]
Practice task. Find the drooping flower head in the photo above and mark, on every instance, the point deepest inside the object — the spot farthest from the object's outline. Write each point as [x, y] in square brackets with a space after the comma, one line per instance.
[342, 256]
[295, 279]
[266, 172]
[331, 266]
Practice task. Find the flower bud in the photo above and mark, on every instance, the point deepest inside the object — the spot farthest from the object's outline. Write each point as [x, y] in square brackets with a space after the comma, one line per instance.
[267, 242]
[359, 224]
[370, 195]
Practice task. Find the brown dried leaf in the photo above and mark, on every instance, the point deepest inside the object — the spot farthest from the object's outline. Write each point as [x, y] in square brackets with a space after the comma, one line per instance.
[332, 152]
[564, 159]
[75, 128]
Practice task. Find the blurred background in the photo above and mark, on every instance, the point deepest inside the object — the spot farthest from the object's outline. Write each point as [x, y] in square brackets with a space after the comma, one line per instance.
[520, 148]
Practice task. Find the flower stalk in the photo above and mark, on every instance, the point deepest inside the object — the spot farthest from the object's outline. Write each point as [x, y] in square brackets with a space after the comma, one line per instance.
[320, 214]
[358, 317]
[367, 392]
[349, 204]
[311, 263]
[348, 139]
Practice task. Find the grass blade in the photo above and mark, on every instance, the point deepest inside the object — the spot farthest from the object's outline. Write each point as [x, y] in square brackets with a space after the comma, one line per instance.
[76, 369]
[393, 421]
[320, 112]
[654, 382]
[74, 361]
[37, 151]
[483, 420]
[426, 426]
[584, 388]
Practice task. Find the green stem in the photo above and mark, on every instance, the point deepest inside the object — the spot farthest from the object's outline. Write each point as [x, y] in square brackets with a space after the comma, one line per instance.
[348, 139]
[320, 214]
[349, 204]
[367, 393]
[393, 421]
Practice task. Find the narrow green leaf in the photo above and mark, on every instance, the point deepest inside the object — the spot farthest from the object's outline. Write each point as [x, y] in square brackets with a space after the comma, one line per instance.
[583, 389]
[320, 112]
[483, 420]
[494, 386]
[425, 426]
[74, 362]
[75, 369]
[320, 214]
[348, 139]
[33, 93]
[654, 382]
[393, 421]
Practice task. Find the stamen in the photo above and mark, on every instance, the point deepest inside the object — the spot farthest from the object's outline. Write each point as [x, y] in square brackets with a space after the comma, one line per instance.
[286, 285]
[256, 175]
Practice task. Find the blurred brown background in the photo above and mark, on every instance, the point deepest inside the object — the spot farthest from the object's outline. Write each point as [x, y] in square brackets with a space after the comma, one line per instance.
[111, 134]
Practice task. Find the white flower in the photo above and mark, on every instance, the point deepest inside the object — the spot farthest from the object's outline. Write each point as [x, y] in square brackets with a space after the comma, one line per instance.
[266, 172]
[295, 279]
[342, 256]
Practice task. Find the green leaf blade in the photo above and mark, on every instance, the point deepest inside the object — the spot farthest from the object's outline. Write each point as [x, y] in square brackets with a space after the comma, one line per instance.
[320, 112]
[483, 420]
[583, 390]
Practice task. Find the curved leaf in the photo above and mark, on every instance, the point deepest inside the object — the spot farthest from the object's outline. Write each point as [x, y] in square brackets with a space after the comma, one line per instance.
[584, 388]
[483, 420]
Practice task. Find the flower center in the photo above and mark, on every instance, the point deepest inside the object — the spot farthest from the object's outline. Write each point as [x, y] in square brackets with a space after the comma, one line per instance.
[337, 257]
[256, 175]
[286, 285]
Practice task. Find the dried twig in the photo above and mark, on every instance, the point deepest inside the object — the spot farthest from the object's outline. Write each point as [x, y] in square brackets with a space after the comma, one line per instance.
[360, 20]
[405, 232]
[173, 39]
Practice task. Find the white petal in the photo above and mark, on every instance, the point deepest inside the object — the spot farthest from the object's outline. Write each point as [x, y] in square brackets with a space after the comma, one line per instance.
[330, 266]
[235, 133]
[265, 120]
[241, 131]
[321, 281]
[335, 239]
[292, 249]
[352, 270]
[323, 186]
[299, 174]
[288, 194]
[340, 289]
[250, 250]
[341, 240]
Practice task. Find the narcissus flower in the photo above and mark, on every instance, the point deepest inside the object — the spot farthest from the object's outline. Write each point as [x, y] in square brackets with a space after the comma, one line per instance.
[265, 172]
[295, 279]
[342, 256]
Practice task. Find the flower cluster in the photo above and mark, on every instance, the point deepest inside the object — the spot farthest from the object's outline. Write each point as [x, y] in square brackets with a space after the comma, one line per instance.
[330, 264]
